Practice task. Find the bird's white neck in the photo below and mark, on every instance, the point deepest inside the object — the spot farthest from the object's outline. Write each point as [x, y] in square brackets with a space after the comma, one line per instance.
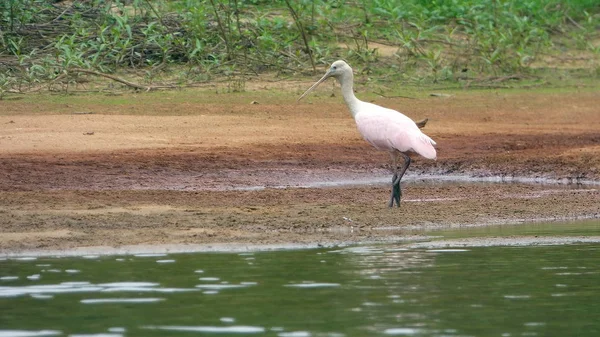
[352, 102]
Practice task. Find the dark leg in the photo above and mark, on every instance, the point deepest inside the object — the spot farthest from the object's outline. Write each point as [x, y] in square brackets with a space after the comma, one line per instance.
[395, 190]
[398, 174]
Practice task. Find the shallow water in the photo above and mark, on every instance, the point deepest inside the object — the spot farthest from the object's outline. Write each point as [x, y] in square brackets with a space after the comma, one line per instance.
[327, 178]
[374, 290]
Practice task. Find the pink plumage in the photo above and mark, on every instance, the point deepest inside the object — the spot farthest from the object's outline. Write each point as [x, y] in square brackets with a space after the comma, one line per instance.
[389, 130]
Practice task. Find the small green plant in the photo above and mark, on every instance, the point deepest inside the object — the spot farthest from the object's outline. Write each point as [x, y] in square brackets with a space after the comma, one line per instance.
[6, 83]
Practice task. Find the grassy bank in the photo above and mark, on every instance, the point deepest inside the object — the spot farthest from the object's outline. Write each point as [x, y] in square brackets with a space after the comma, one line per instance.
[153, 44]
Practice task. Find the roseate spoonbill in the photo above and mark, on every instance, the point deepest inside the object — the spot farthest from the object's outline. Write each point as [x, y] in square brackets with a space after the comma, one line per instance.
[385, 129]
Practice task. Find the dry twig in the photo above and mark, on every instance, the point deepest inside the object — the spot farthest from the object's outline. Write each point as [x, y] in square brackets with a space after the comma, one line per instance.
[120, 80]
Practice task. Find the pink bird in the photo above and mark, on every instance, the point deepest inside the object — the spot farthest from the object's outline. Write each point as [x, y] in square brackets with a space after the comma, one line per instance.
[385, 129]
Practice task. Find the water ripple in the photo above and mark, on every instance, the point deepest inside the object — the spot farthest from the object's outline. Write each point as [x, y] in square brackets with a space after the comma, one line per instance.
[446, 250]
[210, 329]
[150, 255]
[294, 334]
[121, 300]
[312, 285]
[145, 289]
[82, 287]
[26, 333]
[128, 284]
[220, 286]
[402, 331]
[98, 335]
[517, 297]
[116, 329]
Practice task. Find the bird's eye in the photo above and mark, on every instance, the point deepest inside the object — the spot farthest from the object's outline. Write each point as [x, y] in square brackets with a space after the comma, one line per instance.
[334, 67]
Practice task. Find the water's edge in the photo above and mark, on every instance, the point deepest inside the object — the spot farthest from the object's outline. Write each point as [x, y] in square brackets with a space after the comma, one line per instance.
[413, 242]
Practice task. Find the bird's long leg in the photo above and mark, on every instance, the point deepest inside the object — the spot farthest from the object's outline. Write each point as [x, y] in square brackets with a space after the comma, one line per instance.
[395, 196]
[401, 172]
[395, 190]
[398, 174]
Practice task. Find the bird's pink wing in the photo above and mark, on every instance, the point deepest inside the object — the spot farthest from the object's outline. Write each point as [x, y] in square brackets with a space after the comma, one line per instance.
[390, 130]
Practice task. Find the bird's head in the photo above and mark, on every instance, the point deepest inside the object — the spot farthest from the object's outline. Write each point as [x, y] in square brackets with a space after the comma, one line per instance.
[338, 69]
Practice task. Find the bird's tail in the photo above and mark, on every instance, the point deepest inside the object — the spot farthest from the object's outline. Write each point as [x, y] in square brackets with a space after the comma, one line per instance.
[423, 145]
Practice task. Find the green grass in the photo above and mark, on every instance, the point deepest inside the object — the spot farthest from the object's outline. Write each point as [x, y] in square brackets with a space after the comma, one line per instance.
[449, 42]
[131, 103]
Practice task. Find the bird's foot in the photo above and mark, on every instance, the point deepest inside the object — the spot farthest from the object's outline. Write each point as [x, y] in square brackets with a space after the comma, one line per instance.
[396, 193]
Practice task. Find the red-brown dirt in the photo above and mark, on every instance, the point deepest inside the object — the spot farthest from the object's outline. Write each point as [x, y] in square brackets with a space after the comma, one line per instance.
[235, 172]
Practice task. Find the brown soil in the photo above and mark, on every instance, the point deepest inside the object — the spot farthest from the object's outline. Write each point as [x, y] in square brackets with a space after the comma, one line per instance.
[235, 172]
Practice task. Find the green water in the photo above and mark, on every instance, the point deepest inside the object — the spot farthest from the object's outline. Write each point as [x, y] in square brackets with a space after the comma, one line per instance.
[378, 290]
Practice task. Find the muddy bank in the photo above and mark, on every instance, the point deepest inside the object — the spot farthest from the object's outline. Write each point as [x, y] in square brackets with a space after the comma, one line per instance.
[278, 174]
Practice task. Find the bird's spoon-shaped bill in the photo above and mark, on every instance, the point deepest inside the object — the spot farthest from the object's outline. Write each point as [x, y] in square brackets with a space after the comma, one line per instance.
[326, 76]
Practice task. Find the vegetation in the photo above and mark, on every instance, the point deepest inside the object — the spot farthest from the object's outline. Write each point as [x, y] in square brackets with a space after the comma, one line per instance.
[54, 45]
